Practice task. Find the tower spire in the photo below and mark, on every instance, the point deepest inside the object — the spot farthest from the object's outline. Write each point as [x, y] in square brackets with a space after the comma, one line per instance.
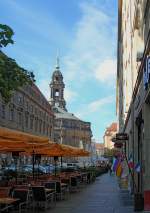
[57, 60]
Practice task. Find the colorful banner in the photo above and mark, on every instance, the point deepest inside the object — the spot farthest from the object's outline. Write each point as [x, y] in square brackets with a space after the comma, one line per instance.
[115, 164]
[119, 170]
[138, 167]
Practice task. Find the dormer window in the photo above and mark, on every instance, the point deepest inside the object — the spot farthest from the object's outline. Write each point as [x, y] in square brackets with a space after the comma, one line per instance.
[56, 78]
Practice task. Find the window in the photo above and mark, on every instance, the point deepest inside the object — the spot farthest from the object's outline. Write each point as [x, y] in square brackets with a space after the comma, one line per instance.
[27, 106]
[26, 120]
[11, 114]
[31, 122]
[43, 127]
[31, 108]
[3, 111]
[20, 99]
[19, 118]
[36, 124]
[40, 126]
[56, 93]
[47, 131]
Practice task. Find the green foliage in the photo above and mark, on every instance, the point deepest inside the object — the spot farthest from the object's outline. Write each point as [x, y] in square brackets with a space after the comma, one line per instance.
[109, 153]
[12, 77]
[6, 34]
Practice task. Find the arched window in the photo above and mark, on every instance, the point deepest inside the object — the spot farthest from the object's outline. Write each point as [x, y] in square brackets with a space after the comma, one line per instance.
[56, 93]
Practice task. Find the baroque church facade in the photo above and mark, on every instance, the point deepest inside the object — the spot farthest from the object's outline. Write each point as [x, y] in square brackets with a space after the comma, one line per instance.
[68, 129]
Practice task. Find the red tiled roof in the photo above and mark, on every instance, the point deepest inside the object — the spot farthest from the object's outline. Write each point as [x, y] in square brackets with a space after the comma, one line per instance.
[99, 145]
[112, 127]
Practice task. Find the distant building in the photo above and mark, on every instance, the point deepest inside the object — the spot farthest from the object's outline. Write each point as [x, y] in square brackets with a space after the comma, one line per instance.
[68, 128]
[99, 149]
[109, 133]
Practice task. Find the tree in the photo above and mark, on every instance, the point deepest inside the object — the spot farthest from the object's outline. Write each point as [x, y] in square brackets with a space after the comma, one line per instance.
[12, 76]
[6, 34]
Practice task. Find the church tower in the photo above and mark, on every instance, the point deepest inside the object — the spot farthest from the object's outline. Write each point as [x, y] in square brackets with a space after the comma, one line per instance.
[57, 88]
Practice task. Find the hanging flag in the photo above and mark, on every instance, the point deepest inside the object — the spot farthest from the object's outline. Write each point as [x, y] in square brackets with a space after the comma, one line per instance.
[119, 170]
[115, 164]
[130, 162]
[138, 167]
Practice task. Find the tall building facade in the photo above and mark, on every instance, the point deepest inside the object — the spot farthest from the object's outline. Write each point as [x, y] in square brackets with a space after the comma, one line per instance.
[68, 128]
[133, 93]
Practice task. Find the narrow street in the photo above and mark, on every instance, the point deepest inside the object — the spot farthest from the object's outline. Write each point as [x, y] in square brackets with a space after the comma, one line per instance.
[103, 196]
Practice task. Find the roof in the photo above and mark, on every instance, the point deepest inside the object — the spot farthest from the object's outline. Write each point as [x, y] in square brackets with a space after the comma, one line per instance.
[61, 113]
[99, 145]
[57, 73]
[112, 127]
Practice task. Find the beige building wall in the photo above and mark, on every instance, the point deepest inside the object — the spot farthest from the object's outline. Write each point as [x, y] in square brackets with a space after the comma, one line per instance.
[109, 134]
[133, 98]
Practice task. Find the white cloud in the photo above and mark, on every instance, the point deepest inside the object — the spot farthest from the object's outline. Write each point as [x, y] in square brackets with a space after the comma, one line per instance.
[96, 105]
[69, 95]
[106, 71]
[91, 44]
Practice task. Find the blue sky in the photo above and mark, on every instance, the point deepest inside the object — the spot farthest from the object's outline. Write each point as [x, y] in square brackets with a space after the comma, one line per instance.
[85, 32]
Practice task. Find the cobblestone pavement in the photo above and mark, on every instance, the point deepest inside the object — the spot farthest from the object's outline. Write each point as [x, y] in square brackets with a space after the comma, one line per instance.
[102, 196]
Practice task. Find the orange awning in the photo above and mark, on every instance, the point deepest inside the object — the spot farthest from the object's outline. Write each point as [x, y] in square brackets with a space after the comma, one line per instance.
[54, 149]
[16, 140]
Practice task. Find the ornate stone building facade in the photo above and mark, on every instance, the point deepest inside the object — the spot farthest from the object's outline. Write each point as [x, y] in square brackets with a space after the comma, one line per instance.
[28, 111]
[68, 128]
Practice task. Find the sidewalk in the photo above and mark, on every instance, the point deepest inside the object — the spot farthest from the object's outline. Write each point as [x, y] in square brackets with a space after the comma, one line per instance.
[103, 196]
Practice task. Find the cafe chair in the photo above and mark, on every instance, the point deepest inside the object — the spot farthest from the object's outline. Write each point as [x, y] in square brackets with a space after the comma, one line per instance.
[5, 208]
[51, 185]
[74, 184]
[41, 198]
[23, 199]
[60, 191]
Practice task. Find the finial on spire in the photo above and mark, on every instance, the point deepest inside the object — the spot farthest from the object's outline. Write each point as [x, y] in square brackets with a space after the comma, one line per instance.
[57, 60]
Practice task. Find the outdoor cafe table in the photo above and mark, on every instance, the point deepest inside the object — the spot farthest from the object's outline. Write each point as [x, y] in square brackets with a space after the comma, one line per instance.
[7, 201]
[64, 184]
[49, 190]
